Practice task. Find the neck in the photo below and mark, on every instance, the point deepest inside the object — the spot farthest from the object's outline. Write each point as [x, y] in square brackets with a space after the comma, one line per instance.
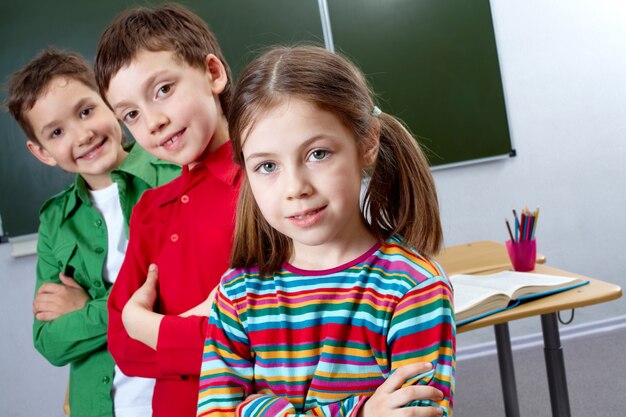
[220, 137]
[98, 182]
[332, 254]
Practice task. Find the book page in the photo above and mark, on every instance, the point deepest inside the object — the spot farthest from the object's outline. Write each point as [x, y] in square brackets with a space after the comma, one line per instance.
[478, 295]
[471, 301]
[516, 284]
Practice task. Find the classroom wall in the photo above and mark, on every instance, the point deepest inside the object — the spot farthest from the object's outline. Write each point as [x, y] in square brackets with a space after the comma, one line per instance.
[564, 72]
[29, 385]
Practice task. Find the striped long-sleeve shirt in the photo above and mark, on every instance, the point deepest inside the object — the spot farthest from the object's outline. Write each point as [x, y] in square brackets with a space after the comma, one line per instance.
[320, 342]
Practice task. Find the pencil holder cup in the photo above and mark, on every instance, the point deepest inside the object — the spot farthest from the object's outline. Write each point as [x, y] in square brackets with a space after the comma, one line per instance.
[522, 254]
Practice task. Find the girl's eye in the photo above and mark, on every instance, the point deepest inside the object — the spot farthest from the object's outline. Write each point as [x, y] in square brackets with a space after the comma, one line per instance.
[86, 112]
[164, 90]
[266, 168]
[130, 116]
[56, 133]
[318, 155]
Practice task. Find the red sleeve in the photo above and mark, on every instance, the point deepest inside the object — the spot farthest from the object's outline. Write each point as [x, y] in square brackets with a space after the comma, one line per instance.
[181, 339]
[134, 358]
[180, 344]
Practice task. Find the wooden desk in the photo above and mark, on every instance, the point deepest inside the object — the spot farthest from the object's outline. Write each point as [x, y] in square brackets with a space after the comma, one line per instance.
[595, 292]
[486, 257]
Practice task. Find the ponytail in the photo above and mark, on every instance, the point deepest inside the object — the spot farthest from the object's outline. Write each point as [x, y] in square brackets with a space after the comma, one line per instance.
[401, 197]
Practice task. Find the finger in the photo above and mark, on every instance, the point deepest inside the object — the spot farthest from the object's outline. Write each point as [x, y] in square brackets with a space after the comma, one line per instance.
[47, 316]
[43, 306]
[418, 412]
[401, 374]
[43, 300]
[406, 395]
[49, 288]
[68, 281]
[153, 274]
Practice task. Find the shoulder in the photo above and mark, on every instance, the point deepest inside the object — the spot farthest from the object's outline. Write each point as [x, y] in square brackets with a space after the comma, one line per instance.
[158, 195]
[139, 156]
[141, 163]
[235, 275]
[54, 207]
[237, 282]
[397, 259]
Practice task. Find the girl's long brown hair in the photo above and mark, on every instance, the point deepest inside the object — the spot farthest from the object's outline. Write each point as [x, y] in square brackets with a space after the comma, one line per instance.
[401, 197]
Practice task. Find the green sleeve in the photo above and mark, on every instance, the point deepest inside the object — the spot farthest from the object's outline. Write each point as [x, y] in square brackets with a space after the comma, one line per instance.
[76, 334]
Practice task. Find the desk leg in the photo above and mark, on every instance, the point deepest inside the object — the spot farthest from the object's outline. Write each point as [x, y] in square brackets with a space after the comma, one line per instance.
[507, 371]
[555, 366]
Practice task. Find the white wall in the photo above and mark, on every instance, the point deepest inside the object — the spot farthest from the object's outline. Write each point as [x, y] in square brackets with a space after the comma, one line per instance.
[564, 72]
[563, 66]
[29, 385]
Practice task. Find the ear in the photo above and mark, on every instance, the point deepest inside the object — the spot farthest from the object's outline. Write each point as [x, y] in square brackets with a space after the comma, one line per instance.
[217, 73]
[371, 147]
[40, 153]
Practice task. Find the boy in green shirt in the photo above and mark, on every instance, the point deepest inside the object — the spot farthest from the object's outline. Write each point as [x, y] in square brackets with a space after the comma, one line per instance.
[83, 230]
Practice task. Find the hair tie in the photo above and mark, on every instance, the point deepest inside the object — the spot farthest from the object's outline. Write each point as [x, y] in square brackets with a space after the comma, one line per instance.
[376, 112]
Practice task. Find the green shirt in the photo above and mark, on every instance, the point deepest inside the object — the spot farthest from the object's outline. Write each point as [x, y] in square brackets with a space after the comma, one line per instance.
[73, 240]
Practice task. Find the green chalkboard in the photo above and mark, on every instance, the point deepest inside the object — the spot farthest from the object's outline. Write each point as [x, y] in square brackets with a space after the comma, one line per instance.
[433, 63]
[242, 26]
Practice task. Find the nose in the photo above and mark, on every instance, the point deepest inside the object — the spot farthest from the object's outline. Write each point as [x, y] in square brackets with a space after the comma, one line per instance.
[297, 184]
[155, 120]
[85, 135]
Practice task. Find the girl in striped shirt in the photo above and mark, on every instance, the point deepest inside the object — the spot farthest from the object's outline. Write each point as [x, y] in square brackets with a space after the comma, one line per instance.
[327, 311]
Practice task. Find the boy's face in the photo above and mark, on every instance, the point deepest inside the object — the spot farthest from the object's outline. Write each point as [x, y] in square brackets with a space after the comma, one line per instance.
[172, 109]
[76, 131]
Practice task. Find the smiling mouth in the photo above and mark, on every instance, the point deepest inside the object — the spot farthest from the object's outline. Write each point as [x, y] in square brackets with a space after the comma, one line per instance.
[307, 214]
[173, 139]
[91, 152]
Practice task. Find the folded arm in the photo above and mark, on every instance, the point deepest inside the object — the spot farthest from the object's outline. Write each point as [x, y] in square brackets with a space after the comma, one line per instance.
[157, 345]
[69, 324]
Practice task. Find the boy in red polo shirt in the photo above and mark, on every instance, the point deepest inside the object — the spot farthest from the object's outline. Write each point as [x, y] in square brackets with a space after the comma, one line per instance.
[163, 74]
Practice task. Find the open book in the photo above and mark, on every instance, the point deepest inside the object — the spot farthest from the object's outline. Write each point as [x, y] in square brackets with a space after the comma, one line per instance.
[477, 296]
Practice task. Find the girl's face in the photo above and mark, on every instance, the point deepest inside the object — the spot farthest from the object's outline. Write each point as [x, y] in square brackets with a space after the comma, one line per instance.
[304, 169]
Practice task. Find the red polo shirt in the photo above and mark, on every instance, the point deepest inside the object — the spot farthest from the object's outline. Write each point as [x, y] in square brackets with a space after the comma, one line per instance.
[186, 227]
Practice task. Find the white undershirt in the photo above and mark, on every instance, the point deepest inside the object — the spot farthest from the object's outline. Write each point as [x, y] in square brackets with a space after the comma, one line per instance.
[132, 396]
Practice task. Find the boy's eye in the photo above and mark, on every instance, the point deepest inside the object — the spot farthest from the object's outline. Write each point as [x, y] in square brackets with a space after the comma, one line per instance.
[318, 155]
[164, 90]
[266, 168]
[56, 133]
[86, 112]
[130, 116]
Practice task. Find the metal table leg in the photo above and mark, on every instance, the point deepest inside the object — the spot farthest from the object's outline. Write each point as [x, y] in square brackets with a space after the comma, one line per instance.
[507, 370]
[555, 366]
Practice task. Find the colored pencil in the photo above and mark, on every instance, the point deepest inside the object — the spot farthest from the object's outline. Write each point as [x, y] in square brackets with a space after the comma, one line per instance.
[508, 227]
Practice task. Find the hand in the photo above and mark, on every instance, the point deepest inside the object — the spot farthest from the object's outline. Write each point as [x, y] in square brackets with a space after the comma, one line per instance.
[390, 397]
[139, 319]
[202, 309]
[54, 300]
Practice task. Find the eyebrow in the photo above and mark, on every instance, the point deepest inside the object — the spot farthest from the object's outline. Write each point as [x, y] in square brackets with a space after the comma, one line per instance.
[305, 144]
[147, 82]
[79, 104]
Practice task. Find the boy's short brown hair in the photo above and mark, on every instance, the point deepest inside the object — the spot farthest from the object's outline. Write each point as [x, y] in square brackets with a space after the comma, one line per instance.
[29, 84]
[170, 27]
